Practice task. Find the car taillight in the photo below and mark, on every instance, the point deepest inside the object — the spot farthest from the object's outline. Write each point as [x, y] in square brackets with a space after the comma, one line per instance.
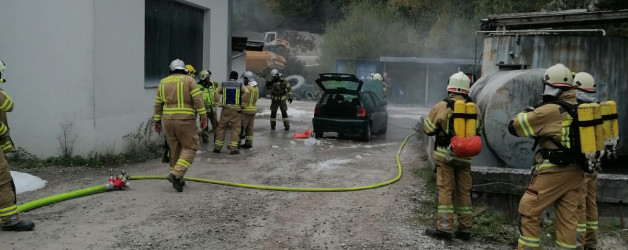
[317, 110]
[361, 112]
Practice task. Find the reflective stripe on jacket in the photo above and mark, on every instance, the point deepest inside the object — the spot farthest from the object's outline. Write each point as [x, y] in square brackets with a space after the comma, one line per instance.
[250, 100]
[231, 92]
[549, 124]
[178, 98]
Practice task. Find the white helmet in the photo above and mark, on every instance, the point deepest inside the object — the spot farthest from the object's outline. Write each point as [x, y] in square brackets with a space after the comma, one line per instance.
[204, 74]
[584, 81]
[248, 75]
[558, 76]
[378, 77]
[2, 66]
[274, 73]
[459, 83]
[177, 64]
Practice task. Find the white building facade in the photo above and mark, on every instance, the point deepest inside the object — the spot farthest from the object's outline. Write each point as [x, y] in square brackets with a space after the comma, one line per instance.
[95, 63]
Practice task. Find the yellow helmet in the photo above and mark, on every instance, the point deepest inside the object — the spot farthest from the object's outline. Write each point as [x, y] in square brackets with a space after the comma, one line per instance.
[584, 81]
[191, 70]
[459, 83]
[558, 76]
[378, 77]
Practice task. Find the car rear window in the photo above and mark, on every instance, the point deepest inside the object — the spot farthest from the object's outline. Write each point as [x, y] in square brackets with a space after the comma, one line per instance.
[348, 85]
[336, 98]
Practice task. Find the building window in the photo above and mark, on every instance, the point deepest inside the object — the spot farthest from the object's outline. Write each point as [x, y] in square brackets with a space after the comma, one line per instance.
[173, 30]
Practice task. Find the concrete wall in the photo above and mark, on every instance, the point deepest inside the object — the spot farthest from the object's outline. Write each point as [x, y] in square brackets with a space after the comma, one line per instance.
[83, 60]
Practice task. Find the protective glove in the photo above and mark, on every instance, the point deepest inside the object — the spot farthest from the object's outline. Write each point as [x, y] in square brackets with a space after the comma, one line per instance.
[290, 100]
[158, 127]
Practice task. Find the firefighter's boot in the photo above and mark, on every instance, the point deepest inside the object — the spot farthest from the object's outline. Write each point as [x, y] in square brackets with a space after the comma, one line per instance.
[24, 225]
[466, 236]
[438, 234]
[177, 183]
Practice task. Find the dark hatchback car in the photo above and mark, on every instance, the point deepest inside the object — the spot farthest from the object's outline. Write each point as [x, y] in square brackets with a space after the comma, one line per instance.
[345, 109]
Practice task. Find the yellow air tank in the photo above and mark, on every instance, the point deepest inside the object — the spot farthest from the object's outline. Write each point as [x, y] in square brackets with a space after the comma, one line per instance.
[599, 129]
[459, 121]
[614, 123]
[606, 111]
[587, 130]
[471, 122]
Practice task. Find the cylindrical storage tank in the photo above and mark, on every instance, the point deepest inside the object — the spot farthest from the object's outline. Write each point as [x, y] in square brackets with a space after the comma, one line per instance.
[606, 58]
[500, 96]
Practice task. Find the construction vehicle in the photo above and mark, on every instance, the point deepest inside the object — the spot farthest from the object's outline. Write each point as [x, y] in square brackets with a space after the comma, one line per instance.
[262, 57]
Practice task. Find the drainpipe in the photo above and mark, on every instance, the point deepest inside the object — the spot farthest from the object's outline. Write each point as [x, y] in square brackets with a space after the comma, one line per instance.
[504, 32]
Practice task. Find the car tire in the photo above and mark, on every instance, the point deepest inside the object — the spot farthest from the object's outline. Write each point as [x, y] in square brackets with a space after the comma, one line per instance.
[318, 134]
[367, 133]
[384, 129]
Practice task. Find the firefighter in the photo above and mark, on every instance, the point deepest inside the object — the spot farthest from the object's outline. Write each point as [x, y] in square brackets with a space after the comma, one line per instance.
[6, 144]
[177, 102]
[587, 209]
[248, 113]
[280, 91]
[231, 95]
[10, 219]
[208, 90]
[451, 170]
[379, 77]
[557, 177]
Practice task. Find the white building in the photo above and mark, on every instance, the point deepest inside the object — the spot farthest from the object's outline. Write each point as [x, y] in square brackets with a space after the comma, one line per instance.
[97, 62]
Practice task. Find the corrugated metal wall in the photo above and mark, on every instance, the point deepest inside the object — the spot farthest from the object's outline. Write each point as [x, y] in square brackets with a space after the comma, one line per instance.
[603, 57]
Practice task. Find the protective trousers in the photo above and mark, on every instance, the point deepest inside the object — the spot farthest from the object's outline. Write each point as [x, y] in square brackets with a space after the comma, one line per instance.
[183, 142]
[457, 180]
[228, 116]
[8, 208]
[213, 120]
[587, 213]
[284, 113]
[248, 121]
[562, 189]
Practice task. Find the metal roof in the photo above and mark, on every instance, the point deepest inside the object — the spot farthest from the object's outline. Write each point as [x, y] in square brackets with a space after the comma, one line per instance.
[425, 60]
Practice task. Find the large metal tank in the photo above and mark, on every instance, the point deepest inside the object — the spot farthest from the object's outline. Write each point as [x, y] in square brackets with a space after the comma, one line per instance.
[604, 57]
[500, 96]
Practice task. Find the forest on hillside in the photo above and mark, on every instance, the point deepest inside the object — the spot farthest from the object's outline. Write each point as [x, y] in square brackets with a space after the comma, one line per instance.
[366, 29]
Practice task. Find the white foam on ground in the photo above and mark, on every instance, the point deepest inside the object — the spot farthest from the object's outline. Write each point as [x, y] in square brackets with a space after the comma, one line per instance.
[25, 182]
[369, 146]
[274, 146]
[415, 117]
[292, 112]
[329, 164]
[311, 142]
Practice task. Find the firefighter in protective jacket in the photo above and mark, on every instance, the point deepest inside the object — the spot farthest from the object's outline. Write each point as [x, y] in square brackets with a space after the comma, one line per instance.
[10, 219]
[177, 103]
[231, 102]
[453, 172]
[557, 178]
[248, 112]
[587, 207]
[280, 91]
[208, 91]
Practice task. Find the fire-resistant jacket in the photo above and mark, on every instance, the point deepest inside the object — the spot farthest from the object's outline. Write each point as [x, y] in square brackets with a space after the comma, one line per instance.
[250, 100]
[546, 123]
[178, 98]
[437, 123]
[280, 90]
[208, 92]
[231, 94]
[6, 105]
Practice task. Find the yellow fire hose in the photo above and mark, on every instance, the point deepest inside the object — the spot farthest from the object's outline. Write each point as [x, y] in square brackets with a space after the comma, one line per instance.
[102, 188]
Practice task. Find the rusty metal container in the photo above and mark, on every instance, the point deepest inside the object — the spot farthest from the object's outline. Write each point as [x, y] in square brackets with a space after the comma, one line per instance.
[606, 58]
[500, 96]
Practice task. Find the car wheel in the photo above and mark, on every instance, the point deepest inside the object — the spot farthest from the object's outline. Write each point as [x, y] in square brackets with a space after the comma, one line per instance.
[318, 135]
[367, 133]
[384, 129]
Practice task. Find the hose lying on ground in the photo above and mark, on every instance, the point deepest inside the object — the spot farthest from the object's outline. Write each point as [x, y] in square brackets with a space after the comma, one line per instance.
[107, 187]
